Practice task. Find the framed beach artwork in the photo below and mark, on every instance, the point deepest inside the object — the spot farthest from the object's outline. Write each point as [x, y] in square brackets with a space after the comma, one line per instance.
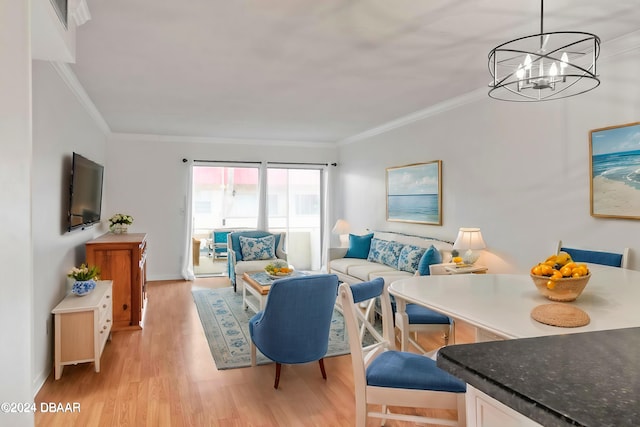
[414, 193]
[615, 171]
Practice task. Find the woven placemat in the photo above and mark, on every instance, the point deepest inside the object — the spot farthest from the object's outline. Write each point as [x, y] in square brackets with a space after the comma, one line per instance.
[563, 315]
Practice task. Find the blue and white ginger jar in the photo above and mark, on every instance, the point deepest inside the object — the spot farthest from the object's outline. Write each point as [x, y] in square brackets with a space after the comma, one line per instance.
[83, 287]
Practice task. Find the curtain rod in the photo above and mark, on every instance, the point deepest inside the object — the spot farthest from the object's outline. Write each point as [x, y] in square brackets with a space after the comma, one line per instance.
[184, 160]
[302, 163]
[221, 161]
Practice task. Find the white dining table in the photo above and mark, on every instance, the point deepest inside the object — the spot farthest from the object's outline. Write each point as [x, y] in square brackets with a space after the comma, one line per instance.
[499, 305]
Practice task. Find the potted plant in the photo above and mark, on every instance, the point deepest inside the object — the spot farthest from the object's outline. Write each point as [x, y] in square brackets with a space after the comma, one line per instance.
[84, 279]
[119, 223]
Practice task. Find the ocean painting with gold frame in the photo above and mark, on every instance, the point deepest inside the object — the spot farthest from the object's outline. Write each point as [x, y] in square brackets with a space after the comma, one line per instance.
[414, 193]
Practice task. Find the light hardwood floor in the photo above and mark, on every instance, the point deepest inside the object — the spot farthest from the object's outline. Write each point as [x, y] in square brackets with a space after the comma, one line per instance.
[164, 375]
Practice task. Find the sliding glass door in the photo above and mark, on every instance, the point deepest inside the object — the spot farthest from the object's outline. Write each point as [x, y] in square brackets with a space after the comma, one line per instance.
[294, 206]
[224, 198]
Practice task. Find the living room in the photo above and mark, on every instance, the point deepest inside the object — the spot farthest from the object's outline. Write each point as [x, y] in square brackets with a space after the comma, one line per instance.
[520, 172]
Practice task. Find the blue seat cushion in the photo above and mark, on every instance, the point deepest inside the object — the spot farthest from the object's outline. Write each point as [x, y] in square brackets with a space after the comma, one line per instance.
[419, 315]
[595, 257]
[397, 369]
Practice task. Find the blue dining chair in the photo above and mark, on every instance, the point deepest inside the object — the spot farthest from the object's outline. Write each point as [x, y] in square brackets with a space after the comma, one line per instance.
[596, 257]
[295, 323]
[386, 377]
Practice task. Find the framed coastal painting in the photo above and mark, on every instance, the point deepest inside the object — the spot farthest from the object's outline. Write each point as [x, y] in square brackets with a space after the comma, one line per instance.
[615, 171]
[414, 193]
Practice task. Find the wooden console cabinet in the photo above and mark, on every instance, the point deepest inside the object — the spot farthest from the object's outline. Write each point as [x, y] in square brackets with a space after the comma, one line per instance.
[82, 326]
[122, 259]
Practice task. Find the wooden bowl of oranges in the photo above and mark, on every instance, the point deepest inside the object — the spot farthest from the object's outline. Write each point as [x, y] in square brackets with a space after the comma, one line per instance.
[559, 278]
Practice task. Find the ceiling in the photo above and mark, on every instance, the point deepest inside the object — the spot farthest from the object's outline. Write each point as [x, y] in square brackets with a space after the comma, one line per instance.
[303, 70]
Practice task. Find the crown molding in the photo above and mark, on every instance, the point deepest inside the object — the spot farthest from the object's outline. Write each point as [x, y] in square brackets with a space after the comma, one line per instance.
[79, 11]
[627, 44]
[620, 46]
[216, 140]
[434, 110]
[72, 82]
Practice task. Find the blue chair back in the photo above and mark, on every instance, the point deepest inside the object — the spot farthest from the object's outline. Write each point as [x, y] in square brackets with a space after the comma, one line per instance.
[595, 257]
[220, 236]
[220, 241]
[295, 323]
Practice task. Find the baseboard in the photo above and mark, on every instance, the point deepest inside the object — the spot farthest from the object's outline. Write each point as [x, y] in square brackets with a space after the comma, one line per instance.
[39, 381]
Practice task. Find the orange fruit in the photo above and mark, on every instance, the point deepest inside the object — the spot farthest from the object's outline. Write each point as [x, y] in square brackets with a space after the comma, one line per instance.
[566, 271]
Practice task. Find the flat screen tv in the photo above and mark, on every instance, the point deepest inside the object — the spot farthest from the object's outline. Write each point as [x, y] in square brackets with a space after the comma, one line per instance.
[85, 192]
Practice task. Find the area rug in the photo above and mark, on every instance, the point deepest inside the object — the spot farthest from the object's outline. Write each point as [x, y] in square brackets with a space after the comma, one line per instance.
[226, 326]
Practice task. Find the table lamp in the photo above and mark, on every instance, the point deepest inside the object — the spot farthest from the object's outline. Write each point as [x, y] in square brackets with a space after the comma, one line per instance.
[342, 229]
[469, 239]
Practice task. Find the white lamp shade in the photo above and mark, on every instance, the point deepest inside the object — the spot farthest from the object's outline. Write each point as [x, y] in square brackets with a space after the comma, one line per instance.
[341, 227]
[469, 238]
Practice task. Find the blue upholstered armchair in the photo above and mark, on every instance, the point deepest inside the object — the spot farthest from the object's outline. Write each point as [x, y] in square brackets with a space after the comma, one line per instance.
[294, 325]
[241, 262]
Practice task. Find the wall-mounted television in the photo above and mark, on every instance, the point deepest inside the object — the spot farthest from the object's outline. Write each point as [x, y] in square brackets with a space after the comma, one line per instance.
[85, 192]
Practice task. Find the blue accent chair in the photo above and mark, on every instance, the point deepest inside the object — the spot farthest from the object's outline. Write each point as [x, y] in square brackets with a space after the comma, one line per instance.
[596, 257]
[383, 376]
[238, 266]
[295, 323]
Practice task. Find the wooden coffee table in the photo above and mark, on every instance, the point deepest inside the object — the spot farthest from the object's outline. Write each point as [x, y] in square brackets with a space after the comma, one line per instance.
[257, 284]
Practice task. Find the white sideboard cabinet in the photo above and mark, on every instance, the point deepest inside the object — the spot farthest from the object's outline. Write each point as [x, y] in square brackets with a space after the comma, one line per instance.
[82, 327]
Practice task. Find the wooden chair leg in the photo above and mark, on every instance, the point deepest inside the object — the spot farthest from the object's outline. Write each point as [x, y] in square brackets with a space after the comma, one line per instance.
[324, 373]
[278, 368]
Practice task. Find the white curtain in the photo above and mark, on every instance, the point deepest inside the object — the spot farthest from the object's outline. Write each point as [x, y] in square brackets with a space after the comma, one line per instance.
[262, 198]
[187, 265]
[327, 186]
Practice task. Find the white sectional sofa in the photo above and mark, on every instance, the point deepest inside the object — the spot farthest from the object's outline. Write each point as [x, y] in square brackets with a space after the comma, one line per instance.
[394, 256]
[391, 256]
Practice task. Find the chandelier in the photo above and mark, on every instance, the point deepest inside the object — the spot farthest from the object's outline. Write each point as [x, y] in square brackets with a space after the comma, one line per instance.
[544, 66]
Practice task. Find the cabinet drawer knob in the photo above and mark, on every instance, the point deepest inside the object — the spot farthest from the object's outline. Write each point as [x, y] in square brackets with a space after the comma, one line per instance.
[108, 296]
[104, 327]
[104, 305]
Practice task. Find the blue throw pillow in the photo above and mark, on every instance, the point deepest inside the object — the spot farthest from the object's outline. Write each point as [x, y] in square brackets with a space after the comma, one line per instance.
[258, 248]
[410, 257]
[359, 246]
[431, 256]
[235, 239]
[385, 252]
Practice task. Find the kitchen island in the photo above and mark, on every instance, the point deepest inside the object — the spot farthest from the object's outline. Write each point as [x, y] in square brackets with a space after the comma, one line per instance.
[583, 379]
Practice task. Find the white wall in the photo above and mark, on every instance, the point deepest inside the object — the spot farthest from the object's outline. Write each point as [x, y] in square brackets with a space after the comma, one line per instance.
[16, 258]
[148, 180]
[520, 172]
[61, 125]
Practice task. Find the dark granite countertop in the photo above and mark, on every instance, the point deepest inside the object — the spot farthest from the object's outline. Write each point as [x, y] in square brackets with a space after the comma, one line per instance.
[580, 379]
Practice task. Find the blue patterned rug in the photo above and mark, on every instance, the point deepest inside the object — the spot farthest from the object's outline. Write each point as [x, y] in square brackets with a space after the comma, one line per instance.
[226, 326]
